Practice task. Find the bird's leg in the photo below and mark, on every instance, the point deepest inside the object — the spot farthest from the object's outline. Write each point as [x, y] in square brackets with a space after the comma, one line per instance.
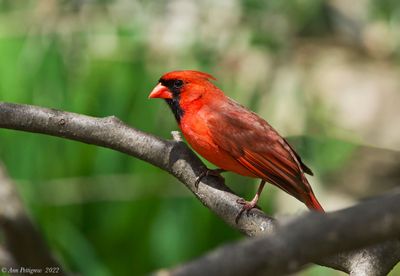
[248, 205]
[207, 172]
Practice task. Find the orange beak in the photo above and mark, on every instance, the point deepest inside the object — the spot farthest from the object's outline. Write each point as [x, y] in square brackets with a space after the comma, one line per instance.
[160, 91]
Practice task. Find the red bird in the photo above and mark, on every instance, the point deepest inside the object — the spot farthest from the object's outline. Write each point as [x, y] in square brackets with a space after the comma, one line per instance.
[232, 137]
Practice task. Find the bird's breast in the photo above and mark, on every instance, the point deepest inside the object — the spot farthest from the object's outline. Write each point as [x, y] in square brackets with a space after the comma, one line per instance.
[195, 130]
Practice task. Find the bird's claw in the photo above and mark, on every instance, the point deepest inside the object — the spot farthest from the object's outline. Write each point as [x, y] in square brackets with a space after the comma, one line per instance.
[246, 207]
[209, 172]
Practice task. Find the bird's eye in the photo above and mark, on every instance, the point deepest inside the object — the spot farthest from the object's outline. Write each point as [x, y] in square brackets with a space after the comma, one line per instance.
[178, 83]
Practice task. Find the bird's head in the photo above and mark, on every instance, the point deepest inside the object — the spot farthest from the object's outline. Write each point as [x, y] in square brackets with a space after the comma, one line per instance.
[176, 83]
[181, 88]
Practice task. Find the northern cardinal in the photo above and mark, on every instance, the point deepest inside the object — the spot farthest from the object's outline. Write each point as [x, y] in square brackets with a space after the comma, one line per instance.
[232, 137]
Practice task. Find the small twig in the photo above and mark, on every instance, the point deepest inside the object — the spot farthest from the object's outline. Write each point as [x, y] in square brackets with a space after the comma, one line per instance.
[176, 135]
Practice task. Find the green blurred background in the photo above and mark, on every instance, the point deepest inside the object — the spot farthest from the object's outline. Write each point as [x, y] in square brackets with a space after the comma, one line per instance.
[325, 73]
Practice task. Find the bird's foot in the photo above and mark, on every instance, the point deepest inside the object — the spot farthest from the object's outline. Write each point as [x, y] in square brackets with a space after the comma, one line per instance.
[209, 172]
[246, 207]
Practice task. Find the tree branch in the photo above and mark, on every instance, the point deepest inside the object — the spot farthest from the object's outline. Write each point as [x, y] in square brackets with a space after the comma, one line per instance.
[172, 156]
[24, 246]
[303, 240]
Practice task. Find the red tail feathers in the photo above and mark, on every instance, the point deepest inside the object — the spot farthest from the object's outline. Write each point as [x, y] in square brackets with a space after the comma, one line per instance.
[313, 204]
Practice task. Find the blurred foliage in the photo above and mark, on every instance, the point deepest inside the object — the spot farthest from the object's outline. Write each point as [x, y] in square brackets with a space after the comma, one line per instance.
[102, 58]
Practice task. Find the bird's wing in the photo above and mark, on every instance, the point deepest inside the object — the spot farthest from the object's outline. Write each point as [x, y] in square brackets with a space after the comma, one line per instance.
[258, 147]
[305, 168]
